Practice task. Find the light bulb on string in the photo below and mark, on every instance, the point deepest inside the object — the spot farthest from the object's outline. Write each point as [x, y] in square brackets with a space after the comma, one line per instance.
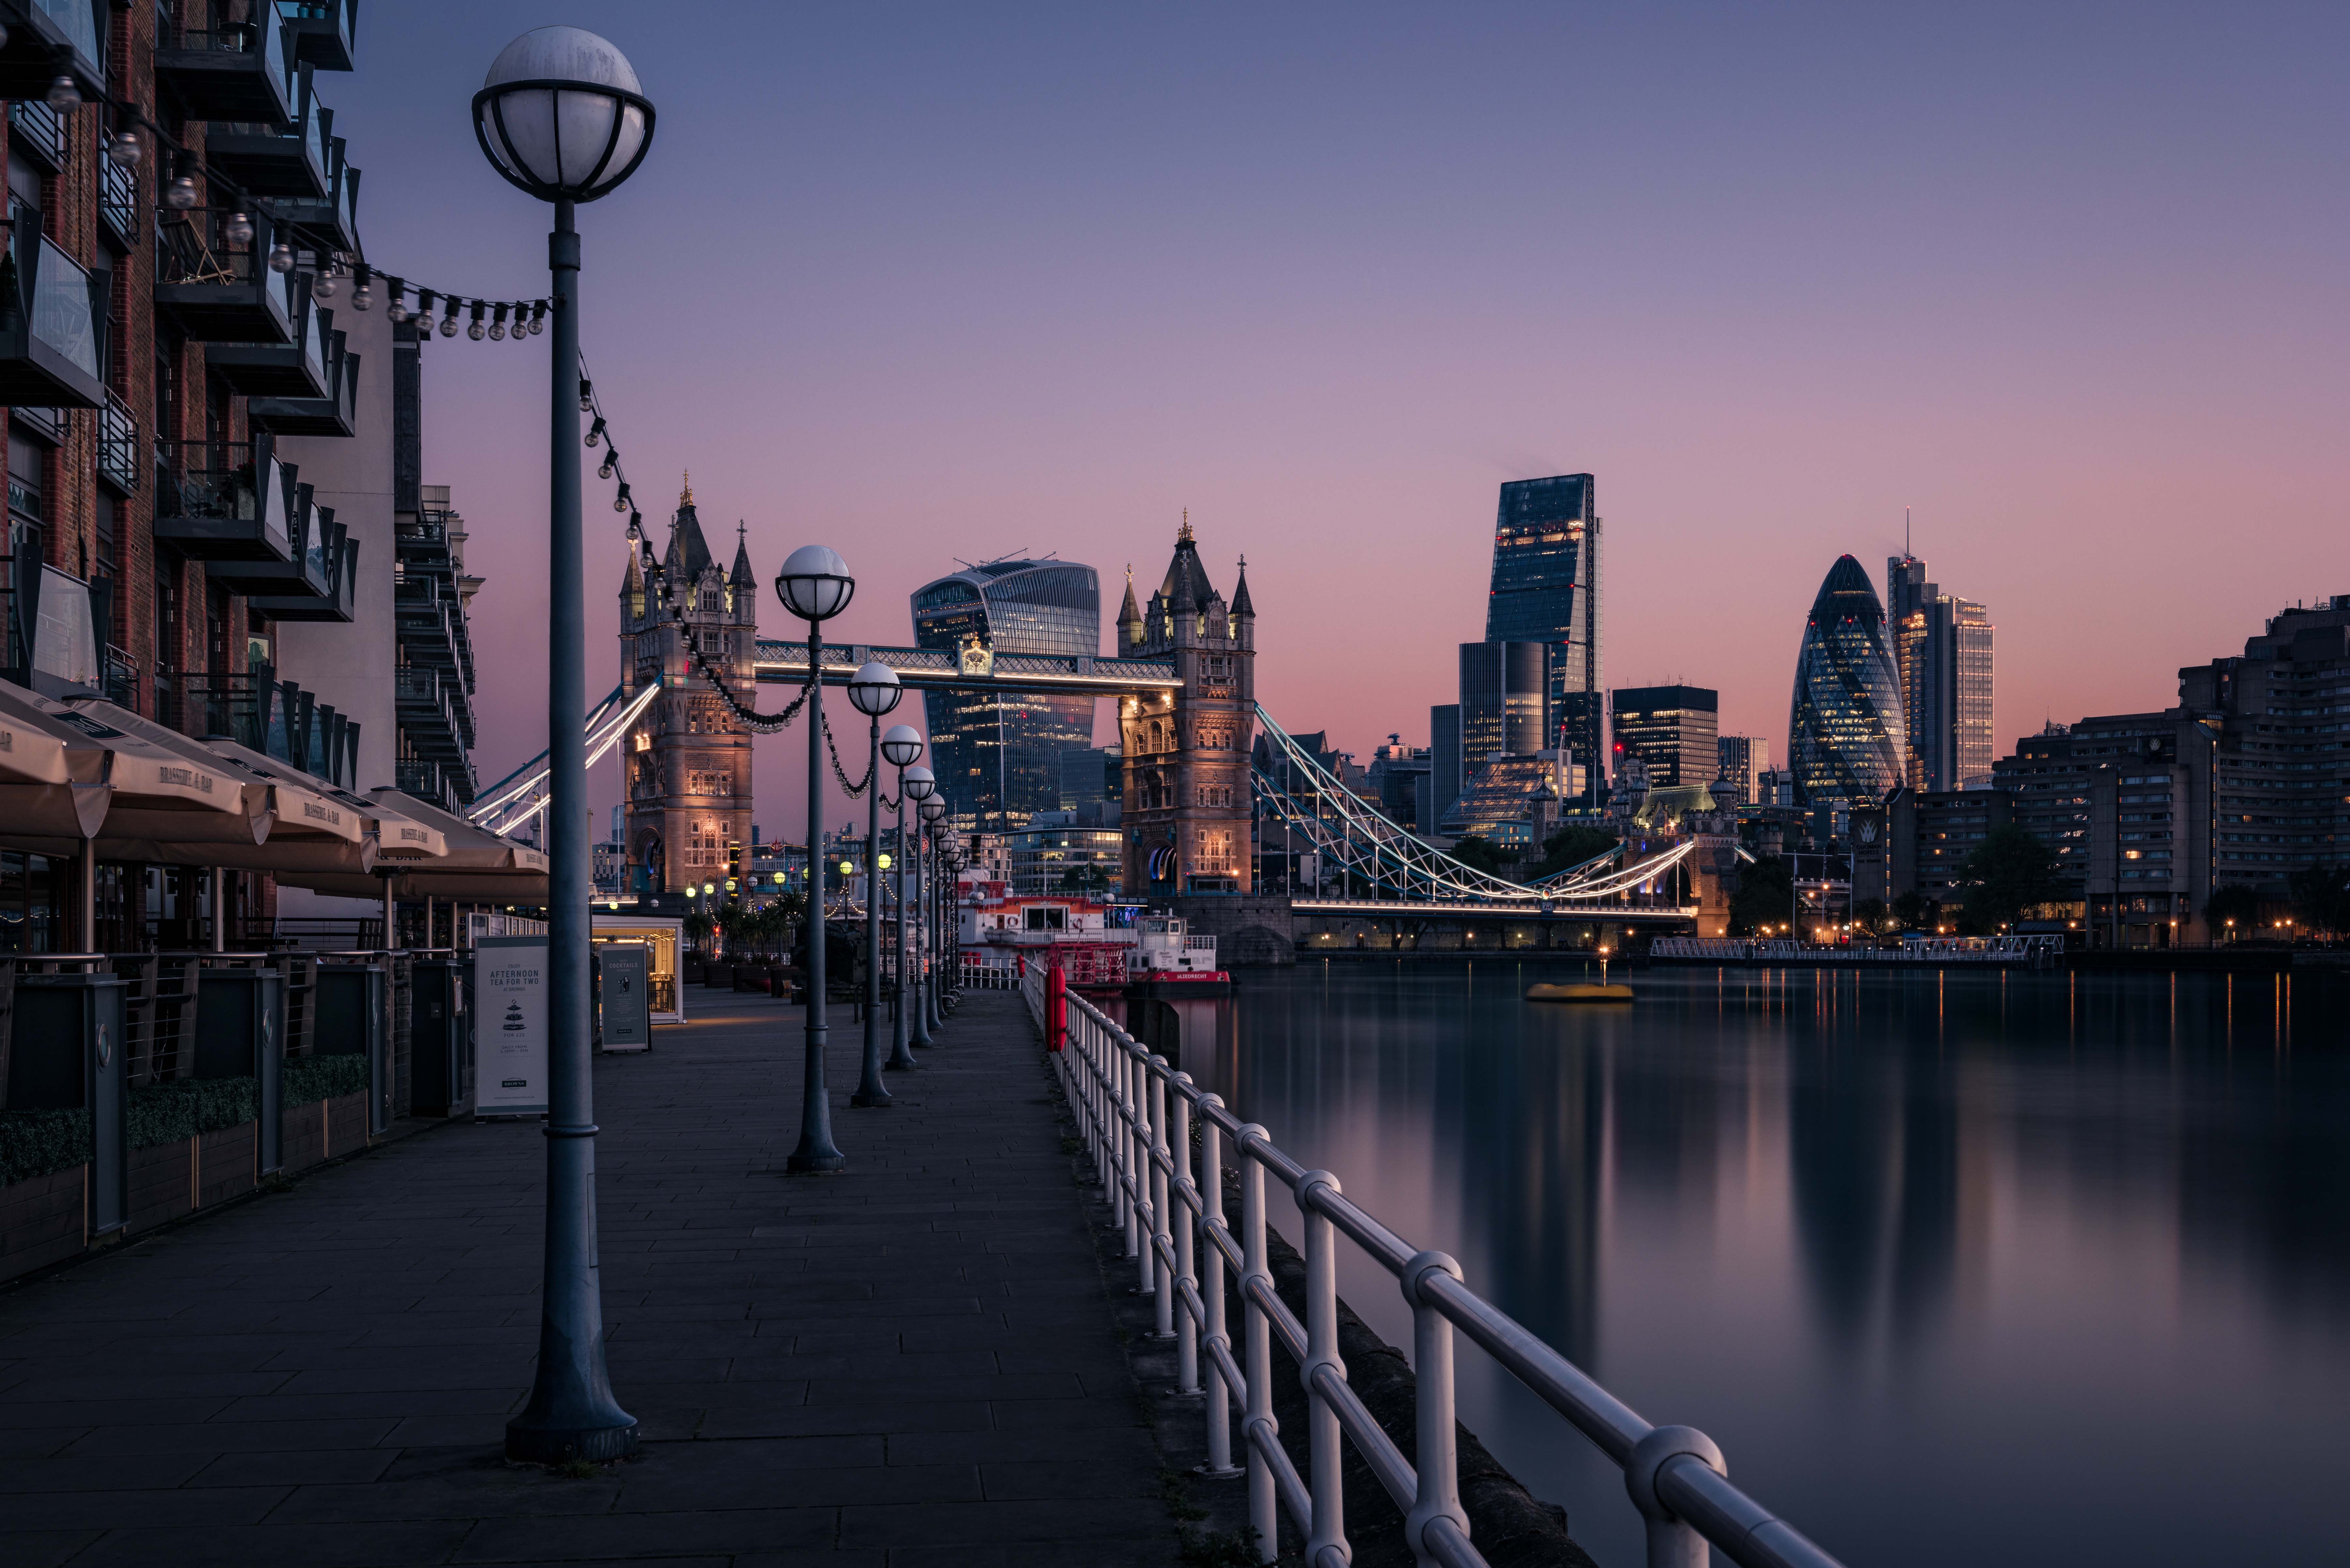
[587, 396]
[181, 195]
[635, 535]
[537, 318]
[63, 95]
[621, 499]
[449, 322]
[281, 258]
[238, 230]
[398, 309]
[323, 286]
[363, 297]
[498, 325]
[595, 431]
[474, 329]
[123, 150]
[605, 471]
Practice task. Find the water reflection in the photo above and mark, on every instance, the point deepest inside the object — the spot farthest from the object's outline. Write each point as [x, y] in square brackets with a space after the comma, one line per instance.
[1955, 1266]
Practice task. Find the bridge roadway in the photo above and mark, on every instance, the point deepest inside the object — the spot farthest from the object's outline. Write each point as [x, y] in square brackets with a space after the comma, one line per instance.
[914, 1365]
[938, 670]
[1599, 912]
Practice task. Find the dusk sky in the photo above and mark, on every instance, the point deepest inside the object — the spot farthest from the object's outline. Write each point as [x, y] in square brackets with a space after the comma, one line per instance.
[935, 282]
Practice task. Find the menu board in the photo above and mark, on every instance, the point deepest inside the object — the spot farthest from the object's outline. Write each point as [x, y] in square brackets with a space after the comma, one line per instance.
[510, 976]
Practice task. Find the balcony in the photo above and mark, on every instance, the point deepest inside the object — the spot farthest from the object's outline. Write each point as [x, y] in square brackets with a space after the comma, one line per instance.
[235, 69]
[224, 501]
[52, 328]
[268, 161]
[200, 702]
[331, 221]
[216, 291]
[422, 699]
[118, 446]
[315, 584]
[37, 132]
[336, 414]
[117, 206]
[294, 370]
[321, 32]
[47, 39]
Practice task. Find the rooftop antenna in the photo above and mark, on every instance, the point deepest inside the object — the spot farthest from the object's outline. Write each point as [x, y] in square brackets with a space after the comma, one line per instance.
[1905, 535]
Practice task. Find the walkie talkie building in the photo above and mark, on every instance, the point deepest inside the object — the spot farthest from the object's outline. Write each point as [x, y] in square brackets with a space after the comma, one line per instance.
[998, 759]
[1846, 742]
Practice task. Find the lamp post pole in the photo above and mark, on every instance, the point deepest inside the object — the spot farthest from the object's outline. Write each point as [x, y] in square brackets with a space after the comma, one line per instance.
[875, 690]
[815, 1154]
[900, 746]
[933, 809]
[551, 77]
[919, 787]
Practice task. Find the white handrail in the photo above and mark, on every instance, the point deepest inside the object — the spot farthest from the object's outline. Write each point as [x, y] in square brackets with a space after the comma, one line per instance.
[1135, 1113]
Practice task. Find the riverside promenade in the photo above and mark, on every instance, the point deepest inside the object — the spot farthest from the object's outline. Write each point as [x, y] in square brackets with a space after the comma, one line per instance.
[916, 1363]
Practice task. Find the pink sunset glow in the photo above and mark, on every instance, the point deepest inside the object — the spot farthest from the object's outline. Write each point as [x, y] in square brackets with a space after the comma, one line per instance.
[938, 283]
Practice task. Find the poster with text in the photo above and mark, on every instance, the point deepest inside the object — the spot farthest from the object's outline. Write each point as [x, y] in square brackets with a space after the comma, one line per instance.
[510, 1026]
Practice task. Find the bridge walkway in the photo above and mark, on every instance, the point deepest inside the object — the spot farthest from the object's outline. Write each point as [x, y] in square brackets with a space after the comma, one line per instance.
[916, 1363]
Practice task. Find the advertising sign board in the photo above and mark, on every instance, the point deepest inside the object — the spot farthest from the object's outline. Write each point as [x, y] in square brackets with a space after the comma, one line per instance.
[628, 1013]
[509, 1033]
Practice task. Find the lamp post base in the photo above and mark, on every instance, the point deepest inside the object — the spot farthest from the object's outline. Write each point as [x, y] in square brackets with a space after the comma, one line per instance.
[880, 1102]
[531, 1444]
[830, 1162]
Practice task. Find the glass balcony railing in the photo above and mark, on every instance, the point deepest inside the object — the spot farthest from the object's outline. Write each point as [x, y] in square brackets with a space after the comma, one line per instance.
[62, 317]
[78, 22]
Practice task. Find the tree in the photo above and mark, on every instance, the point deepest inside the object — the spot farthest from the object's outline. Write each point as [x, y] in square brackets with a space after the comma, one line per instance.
[2240, 906]
[1086, 878]
[1766, 893]
[1476, 850]
[1912, 911]
[698, 928]
[2012, 871]
[2321, 898]
[1570, 846]
[1870, 916]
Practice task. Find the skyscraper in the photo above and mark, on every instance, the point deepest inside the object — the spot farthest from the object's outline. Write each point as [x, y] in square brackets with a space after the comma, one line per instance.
[1743, 760]
[1502, 701]
[1943, 654]
[1846, 739]
[998, 760]
[1673, 729]
[1546, 589]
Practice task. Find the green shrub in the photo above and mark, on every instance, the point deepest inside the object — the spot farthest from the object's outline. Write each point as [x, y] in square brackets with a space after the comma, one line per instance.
[309, 1079]
[40, 1143]
[227, 1102]
[160, 1114]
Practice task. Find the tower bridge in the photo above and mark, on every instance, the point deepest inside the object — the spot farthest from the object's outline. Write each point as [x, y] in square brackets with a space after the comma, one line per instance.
[1195, 800]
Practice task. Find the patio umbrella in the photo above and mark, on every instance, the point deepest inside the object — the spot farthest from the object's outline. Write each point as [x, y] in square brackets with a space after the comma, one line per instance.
[480, 867]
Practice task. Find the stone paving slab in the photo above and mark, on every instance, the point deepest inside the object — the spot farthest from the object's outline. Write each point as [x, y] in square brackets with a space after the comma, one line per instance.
[916, 1363]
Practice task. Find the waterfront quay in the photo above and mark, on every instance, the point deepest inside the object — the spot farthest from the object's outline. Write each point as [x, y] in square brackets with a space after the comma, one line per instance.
[915, 1364]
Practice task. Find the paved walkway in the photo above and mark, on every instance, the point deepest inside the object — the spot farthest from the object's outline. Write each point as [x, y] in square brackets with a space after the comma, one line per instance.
[915, 1364]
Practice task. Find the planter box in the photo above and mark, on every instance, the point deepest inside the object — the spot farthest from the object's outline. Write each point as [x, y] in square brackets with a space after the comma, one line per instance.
[305, 1136]
[162, 1182]
[41, 1220]
[718, 976]
[346, 1124]
[224, 1163]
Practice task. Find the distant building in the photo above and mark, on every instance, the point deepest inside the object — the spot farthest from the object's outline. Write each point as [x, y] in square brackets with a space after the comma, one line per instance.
[1396, 780]
[998, 760]
[1546, 589]
[1504, 688]
[1445, 768]
[1914, 842]
[1673, 729]
[1743, 759]
[1091, 778]
[2049, 777]
[1846, 740]
[1054, 856]
[1942, 655]
[1516, 801]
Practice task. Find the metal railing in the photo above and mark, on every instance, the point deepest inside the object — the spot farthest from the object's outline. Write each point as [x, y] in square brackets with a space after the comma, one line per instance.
[1136, 1114]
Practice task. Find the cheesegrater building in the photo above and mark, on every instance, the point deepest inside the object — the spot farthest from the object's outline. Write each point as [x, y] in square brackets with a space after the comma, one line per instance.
[1846, 741]
[998, 759]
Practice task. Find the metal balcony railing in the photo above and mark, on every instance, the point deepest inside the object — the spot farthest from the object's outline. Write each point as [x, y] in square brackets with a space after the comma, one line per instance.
[1136, 1114]
[40, 132]
[121, 678]
[117, 445]
[200, 702]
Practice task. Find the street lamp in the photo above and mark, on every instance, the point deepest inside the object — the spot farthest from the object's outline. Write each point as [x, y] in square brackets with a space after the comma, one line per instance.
[560, 116]
[918, 785]
[901, 748]
[814, 586]
[874, 690]
[933, 811]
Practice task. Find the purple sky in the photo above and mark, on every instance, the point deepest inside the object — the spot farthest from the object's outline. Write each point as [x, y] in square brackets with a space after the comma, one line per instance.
[922, 282]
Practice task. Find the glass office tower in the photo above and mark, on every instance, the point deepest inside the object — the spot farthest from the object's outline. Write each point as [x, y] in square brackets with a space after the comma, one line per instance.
[1502, 700]
[1675, 730]
[1846, 739]
[998, 761]
[1545, 589]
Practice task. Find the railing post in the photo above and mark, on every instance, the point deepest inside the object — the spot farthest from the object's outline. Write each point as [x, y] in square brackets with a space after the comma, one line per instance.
[1264, 1505]
[1136, 1185]
[1159, 1279]
[1185, 1223]
[1325, 1440]
[1436, 1454]
[1672, 1543]
[1212, 1291]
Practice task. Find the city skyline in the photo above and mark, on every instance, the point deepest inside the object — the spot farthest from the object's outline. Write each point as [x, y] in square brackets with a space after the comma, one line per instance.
[1075, 336]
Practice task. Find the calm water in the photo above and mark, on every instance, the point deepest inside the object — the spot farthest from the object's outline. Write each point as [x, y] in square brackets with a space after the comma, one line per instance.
[1957, 1268]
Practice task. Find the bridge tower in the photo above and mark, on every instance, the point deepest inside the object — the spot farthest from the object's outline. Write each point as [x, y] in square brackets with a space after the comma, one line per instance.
[1186, 810]
[687, 760]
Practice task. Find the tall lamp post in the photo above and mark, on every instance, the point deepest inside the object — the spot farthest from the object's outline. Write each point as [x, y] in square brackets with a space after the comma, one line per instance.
[814, 586]
[561, 116]
[901, 748]
[919, 786]
[875, 690]
[934, 811]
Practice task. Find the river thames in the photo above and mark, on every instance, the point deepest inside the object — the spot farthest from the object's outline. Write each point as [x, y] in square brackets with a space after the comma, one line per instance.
[1957, 1267]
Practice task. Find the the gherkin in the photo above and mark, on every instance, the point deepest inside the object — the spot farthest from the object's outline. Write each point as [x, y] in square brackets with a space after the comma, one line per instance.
[1844, 736]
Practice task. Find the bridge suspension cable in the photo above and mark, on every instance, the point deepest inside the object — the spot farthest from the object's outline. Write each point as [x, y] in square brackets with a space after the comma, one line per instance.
[510, 805]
